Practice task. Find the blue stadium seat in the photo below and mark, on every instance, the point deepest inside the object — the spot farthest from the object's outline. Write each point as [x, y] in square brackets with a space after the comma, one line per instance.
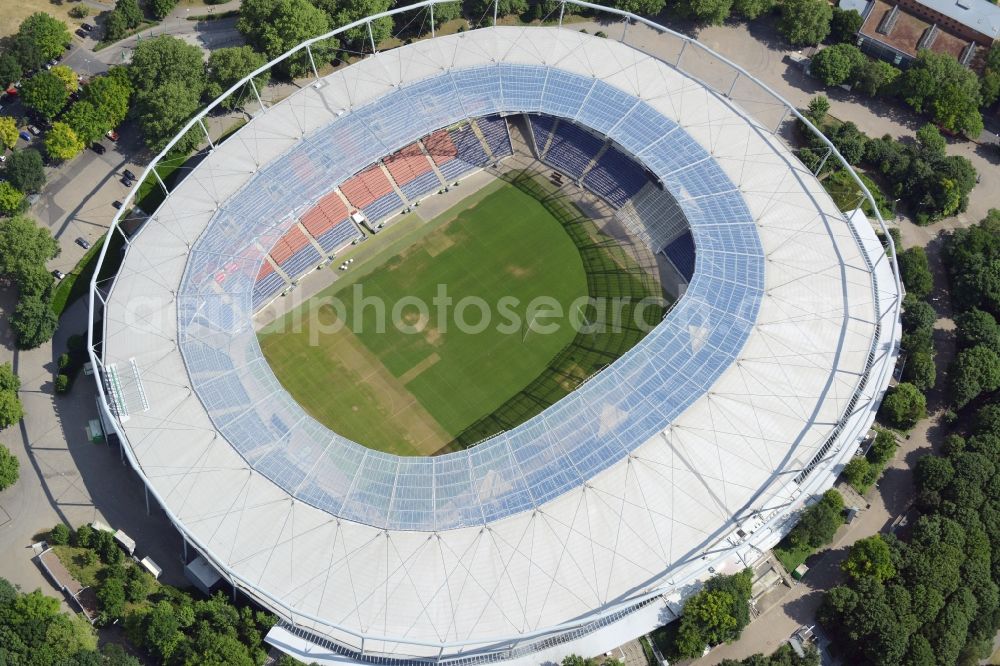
[680, 252]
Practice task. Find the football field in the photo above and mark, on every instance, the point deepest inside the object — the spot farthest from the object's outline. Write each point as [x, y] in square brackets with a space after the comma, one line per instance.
[412, 385]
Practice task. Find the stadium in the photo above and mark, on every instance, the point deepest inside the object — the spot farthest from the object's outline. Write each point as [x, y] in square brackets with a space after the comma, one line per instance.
[568, 528]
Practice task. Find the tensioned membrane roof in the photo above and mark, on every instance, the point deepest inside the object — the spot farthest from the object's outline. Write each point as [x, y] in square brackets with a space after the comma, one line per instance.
[599, 497]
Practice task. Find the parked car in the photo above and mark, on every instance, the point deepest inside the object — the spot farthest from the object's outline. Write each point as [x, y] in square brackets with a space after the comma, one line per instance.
[59, 275]
[98, 148]
[126, 181]
[24, 135]
[83, 242]
[34, 130]
[80, 32]
[128, 174]
[113, 135]
[117, 204]
[86, 27]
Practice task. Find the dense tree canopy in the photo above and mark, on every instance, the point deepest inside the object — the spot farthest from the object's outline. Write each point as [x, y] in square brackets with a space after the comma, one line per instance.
[712, 12]
[915, 271]
[168, 77]
[229, 65]
[8, 132]
[25, 171]
[275, 26]
[716, 614]
[818, 522]
[10, 69]
[875, 77]
[837, 64]
[124, 17]
[11, 199]
[869, 558]
[10, 412]
[933, 184]
[753, 9]
[62, 143]
[26, 247]
[342, 12]
[640, 7]
[161, 8]
[904, 405]
[40, 38]
[976, 370]
[805, 21]
[939, 85]
[844, 25]
[45, 93]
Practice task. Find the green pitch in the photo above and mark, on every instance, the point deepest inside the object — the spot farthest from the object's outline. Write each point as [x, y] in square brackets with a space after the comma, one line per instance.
[413, 391]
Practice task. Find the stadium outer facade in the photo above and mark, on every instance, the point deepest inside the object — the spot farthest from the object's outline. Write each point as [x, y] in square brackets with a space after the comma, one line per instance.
[589, 524]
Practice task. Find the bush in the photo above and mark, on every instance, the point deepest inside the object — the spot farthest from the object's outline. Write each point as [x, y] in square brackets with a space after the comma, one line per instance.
[84, 536]
[63, 361]
[9, 468]
[915, 271]
[860, 473]
[80, 11]
[62, 383]
[59, 535]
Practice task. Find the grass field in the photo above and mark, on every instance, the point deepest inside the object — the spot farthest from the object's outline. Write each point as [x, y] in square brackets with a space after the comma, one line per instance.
[412, 393]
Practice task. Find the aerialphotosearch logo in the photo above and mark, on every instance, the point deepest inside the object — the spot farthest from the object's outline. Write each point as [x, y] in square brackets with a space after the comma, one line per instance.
[367, 314]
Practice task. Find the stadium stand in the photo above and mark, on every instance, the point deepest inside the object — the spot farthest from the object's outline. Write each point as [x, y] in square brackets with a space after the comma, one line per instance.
[541, 129]
[572, 149]
[294, 253]
[456, 151]
[372, 192]
[615, 178]
[680, 252]
[494, 130]
[412, 172]
[330, 224]
[268, 284]
[654, 216]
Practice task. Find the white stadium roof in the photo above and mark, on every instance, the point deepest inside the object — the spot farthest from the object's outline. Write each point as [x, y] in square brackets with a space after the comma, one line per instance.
[691, 452]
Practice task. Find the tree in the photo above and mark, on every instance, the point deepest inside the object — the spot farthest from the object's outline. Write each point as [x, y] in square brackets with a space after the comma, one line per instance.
[110, 93]
[836, 64]
[34, 322]
[860, 473]
[938, 84]
[111, 596]
[10, 70]
[915, 271]
[162, 631]
[640, 7]
[875, 77]
[61, 142]
[342, 12]
[850, 142]
[274, 26]
[818, 107]
[59, 535]
[712, 12]
[869, 558]
[124, 17]
[168, 77]
[9, 465]
[716, 614]
[976, 370]
[8, 132]
[903, 406]
[40, 38]
[819, 522]
[25, 171]
[67, 76]
[753, 9]
[920, 370]
[449, 11]
[976, 327]
[844, 25]
[805, 21]
[229, 65]
[161, 8]
[86, 122]
[931, 143]
[26, 247]
[45, 93]
[11, 199]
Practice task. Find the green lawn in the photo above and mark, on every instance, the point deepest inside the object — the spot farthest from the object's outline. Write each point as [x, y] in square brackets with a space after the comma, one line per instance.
[411, 392]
